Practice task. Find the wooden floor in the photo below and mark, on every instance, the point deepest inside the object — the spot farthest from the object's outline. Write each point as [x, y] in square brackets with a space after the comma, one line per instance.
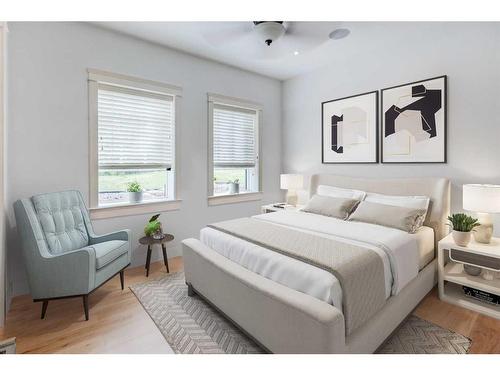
[483, 330]
[119, 324]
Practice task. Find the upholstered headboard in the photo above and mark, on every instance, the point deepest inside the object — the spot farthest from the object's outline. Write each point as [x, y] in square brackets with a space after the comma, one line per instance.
[437, 189]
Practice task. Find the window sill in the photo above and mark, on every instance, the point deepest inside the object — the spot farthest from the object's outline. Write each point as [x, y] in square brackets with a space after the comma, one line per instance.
[216, 200]
[128, 209]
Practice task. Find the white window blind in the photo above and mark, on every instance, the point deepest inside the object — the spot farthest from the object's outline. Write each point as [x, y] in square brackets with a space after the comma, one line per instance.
[234, 132]
[135, 129]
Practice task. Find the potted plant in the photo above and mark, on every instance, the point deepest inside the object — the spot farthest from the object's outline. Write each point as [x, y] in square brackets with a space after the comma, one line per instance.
[134, 192]
[234, 186]
[462, 226]
[153, 228]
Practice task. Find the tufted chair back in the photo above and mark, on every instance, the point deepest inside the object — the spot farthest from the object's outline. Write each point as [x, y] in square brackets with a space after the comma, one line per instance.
[63, 219]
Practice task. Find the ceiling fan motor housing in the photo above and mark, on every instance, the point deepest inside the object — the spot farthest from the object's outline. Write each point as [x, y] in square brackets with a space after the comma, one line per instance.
[269, 31]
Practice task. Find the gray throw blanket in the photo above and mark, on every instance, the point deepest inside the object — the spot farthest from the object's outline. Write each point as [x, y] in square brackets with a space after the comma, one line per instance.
[359, 270]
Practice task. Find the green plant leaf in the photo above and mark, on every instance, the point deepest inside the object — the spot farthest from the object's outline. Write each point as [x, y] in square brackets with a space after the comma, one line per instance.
[154, 218]
[151, 227]
[462, 222]
[134, 187]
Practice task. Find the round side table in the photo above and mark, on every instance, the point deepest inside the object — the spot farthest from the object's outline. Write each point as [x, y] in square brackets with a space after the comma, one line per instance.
[150, 241]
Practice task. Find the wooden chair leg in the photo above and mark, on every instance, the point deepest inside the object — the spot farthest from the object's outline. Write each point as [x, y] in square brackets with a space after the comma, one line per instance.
[86, 306]
[148, 260]
[122, 278]
[165, 259]
[44, 308]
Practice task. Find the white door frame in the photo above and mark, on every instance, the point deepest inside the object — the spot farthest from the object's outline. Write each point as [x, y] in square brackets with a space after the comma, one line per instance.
[3, 250]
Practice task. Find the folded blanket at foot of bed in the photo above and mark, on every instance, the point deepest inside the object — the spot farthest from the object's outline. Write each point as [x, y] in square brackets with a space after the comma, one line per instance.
[360, 270]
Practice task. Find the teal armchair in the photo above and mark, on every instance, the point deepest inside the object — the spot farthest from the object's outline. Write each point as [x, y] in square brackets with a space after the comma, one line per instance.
[64, 258]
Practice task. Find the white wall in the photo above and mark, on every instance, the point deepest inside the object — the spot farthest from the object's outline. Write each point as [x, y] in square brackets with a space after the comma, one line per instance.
[47, 140]
[469, 53]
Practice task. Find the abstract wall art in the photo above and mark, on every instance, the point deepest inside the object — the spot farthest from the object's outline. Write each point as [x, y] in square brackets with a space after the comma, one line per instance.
[414, 122]
[349, 129]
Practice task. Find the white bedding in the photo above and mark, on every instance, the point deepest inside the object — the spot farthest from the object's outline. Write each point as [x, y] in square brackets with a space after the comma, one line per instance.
[403, 254]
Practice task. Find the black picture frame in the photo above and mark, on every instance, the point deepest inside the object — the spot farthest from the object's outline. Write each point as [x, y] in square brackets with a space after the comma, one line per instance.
[445, 123]
[376, 92]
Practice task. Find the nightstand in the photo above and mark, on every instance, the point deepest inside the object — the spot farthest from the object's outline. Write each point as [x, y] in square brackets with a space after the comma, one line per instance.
[270, 208]
[452, 277]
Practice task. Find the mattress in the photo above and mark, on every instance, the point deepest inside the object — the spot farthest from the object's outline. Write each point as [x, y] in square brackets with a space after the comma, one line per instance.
[403, 254]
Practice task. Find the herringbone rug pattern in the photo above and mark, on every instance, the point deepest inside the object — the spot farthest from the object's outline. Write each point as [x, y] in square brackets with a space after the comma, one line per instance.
[190, 325]
[418, 336]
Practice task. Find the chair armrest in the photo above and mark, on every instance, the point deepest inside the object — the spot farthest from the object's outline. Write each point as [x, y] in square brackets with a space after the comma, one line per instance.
[121, 235]
[66, 274]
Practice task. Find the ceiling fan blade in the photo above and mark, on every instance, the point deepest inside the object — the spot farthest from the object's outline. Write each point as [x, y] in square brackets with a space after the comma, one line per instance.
[287, 45]
[319, 30]
[304, 43]
[227, 33]
[277, 50]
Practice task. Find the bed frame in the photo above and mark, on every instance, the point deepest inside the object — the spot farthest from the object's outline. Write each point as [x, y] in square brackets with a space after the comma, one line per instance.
[283, 320]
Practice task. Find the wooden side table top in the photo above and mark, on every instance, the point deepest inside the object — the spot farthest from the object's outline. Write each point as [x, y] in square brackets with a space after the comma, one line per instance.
[146, 240]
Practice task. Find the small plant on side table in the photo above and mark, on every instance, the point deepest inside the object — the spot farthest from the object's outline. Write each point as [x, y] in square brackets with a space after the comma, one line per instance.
[153, 228]
[462, 226]
[134, 192]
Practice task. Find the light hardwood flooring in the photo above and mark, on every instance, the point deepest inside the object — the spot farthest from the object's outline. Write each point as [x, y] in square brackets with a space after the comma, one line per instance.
[119, 324]
[483, 330]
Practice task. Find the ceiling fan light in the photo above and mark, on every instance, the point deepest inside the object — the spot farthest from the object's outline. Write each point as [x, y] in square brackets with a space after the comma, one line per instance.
[269, 31]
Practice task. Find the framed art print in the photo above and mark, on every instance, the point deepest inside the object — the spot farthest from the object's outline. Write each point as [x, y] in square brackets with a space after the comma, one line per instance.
[414, 122]
[350, 129]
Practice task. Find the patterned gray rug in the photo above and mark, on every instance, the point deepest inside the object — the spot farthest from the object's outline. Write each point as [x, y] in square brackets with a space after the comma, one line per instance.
[191, 325]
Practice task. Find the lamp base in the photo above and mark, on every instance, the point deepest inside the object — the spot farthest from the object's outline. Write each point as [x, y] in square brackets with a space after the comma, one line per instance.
[291, 197]
[483, 232]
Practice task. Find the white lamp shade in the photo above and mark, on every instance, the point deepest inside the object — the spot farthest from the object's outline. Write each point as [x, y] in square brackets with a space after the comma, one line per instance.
[481, 198]
[291, 181]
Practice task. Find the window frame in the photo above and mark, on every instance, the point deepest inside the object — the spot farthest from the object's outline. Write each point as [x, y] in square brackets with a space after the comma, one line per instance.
[95, 78]
[214, 99]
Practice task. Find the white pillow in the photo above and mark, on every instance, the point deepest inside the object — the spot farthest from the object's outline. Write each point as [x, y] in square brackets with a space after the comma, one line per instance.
[412, 201]
[336, 192]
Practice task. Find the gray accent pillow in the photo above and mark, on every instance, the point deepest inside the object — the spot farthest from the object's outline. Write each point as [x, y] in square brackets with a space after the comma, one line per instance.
[404, 218]
[340, 208]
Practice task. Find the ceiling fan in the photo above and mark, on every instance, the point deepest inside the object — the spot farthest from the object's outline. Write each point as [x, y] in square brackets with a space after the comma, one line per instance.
[269, 31]
[273, 39]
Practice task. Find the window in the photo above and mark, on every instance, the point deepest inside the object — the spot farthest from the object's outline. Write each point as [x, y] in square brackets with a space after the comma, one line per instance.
[234, 146]
[133, 126]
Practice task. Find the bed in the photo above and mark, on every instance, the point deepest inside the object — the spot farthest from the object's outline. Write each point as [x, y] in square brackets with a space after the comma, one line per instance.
[289, 306]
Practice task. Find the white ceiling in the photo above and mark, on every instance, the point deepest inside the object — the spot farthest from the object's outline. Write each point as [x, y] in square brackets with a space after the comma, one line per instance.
[236, 44]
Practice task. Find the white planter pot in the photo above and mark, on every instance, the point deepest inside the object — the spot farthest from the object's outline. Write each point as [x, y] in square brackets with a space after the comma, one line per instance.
[461, 238]
[135, 197]
[234, 188]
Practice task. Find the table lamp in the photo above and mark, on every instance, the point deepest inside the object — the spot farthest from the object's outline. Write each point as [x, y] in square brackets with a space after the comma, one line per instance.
[484, 200]
[292, 183]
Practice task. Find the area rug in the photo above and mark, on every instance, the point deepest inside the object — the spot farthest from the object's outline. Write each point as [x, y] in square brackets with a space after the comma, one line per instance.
[191, 325]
